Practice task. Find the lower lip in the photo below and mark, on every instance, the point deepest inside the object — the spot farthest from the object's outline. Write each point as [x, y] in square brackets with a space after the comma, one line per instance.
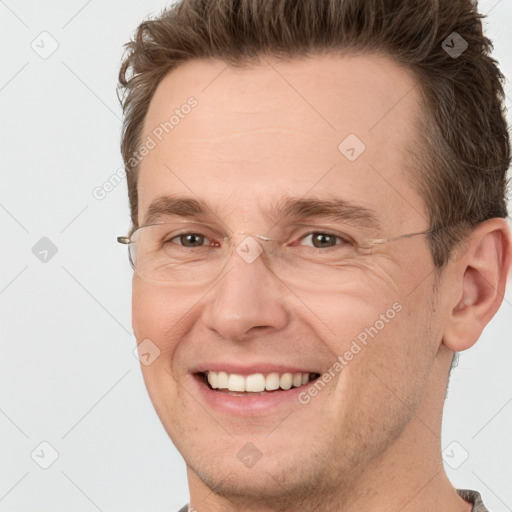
[248, 405]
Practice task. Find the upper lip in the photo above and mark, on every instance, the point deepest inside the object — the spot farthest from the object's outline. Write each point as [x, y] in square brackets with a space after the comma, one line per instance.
[249, 369]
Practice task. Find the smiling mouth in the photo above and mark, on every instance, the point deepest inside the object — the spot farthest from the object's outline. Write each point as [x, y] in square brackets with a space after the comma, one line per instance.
[256, 383]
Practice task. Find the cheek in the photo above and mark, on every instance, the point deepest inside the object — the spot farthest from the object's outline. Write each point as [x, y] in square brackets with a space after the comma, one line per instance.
[383, 384]
[146, 309]
[400, 357]
[383, 330]
[160, 314]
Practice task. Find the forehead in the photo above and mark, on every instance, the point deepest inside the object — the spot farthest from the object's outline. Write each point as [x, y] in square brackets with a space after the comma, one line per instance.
[319, 126]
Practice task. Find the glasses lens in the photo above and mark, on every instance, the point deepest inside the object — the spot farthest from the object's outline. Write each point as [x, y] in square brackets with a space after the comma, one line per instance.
[176, 253]
[190, 254]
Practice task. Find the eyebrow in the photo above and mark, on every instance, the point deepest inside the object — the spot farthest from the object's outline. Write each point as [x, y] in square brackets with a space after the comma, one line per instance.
[335, 208]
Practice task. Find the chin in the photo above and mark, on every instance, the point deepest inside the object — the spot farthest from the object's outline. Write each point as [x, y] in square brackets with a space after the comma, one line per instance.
[269, 485]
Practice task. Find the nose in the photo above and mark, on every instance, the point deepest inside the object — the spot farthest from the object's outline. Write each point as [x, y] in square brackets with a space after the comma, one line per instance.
[248, 297]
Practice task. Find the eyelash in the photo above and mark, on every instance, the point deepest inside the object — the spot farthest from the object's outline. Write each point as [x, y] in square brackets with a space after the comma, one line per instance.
[343, 239]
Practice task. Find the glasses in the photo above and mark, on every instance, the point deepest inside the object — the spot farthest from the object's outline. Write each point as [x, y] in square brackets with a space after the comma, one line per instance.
[188, 253]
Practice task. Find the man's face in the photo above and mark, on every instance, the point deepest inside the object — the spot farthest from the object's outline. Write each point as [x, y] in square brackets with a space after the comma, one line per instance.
[259, 135]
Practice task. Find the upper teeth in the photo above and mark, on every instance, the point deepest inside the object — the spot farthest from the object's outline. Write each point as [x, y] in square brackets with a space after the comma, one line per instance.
[256, 382]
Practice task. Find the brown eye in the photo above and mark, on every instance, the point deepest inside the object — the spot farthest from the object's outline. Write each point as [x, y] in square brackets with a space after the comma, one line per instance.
[323, 240]
[190, 239]
[320, 240]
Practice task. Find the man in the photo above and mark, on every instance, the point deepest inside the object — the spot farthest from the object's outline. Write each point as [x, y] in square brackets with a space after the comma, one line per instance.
[317, 196]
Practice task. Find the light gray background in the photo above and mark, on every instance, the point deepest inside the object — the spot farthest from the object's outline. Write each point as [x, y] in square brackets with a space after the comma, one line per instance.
[67, 369]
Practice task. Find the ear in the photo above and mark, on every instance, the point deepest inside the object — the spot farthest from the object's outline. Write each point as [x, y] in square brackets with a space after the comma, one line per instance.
[478, 277]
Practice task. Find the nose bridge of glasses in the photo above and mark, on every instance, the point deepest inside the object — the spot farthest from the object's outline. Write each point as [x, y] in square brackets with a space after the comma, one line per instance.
[249, 246]
[239, 236]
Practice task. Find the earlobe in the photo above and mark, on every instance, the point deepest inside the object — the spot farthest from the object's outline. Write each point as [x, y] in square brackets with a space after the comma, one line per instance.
[482, 272]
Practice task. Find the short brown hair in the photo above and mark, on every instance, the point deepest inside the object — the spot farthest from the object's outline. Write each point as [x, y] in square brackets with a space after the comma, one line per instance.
[465, 150]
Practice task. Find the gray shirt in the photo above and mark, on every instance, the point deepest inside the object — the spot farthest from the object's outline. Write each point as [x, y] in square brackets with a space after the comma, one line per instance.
[471, 496]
